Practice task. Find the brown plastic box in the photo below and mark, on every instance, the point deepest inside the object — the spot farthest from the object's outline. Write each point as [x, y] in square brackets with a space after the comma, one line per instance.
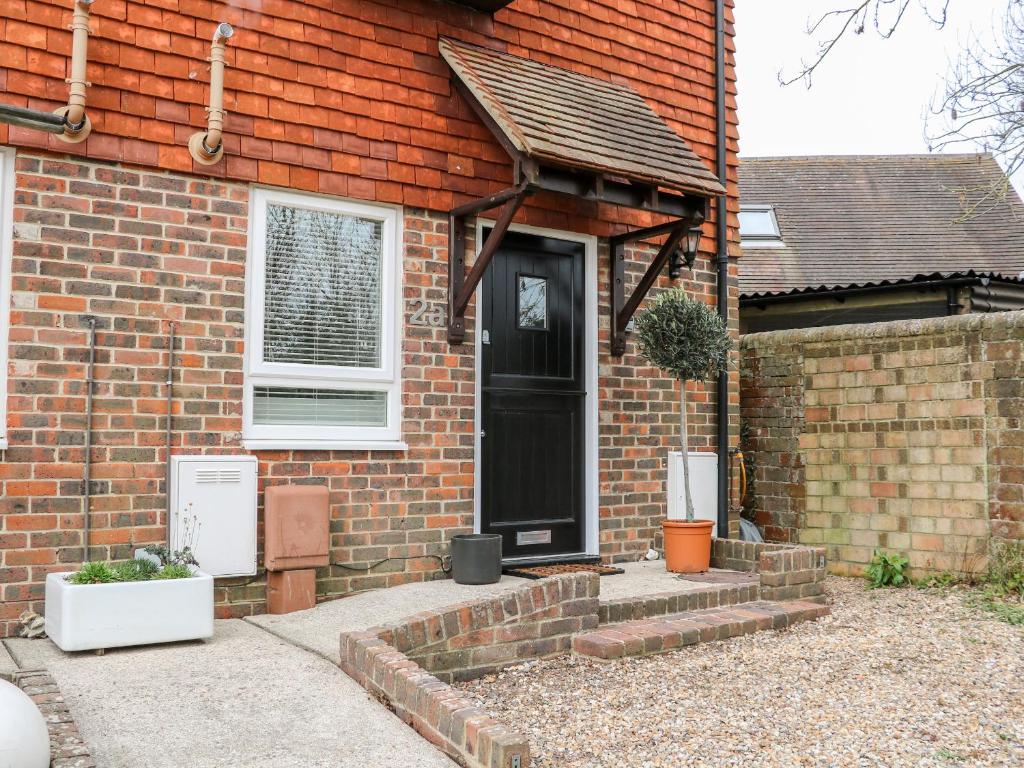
[296, 527]
[289, 591]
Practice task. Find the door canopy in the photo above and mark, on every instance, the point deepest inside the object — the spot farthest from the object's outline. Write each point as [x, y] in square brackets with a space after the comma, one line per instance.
[577, 135]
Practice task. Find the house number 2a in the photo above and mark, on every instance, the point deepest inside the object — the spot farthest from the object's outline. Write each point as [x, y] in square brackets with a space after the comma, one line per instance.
[422, 313]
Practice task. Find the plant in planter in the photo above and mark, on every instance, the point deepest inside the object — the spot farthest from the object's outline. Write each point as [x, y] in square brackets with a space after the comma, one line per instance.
[159, 597]
[687, 339]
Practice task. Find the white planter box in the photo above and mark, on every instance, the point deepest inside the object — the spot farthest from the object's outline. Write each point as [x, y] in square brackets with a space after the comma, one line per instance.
[81, 617]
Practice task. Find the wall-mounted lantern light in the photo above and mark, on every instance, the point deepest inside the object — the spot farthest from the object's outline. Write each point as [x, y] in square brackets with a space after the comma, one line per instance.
[206, 146]
[686, 253]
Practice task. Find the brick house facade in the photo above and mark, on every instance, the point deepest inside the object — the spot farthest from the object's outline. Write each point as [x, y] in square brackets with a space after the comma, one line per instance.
[346, 99]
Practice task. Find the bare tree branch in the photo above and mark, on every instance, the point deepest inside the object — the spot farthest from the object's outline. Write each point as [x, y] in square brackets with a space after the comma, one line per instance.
[982, 103]
[884, 16]
[982, 107]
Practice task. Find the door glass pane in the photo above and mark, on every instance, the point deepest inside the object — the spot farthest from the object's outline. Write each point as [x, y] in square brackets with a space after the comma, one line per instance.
[323, 291]
[533, 303]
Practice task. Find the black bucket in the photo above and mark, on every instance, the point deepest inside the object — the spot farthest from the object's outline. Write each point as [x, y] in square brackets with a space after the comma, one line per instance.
[476, 558]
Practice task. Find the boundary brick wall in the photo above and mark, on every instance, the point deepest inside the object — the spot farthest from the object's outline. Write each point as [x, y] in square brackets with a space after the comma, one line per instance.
[905, 436]
[408, 666]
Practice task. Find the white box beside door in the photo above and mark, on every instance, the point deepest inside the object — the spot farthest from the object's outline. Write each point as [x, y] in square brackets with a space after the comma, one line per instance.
[703, 486]
[220, 493]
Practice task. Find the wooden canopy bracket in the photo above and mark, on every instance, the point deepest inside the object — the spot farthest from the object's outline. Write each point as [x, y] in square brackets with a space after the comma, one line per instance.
[460, 284]
[622, 308]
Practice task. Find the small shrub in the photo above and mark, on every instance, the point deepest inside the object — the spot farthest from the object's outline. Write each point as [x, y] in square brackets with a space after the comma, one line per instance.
[93, 573]
[887, 570]
[943, 580]
[134, 570]
[1003, 593]
[689, 340]
[174, 571]
[1006, 568]
[168, 556]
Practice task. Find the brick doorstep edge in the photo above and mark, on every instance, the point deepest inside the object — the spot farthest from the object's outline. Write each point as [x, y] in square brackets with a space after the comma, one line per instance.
[787, 571]
[663, 603]
[67, 749]
[463, 642]
[660, 635]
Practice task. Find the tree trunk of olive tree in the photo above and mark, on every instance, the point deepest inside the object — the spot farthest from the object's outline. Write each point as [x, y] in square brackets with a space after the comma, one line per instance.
[684, 439]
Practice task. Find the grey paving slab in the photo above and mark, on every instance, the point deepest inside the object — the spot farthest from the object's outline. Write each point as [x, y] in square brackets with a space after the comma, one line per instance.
[7, 665]
[645, 578]
[244, 699]
[319, 629]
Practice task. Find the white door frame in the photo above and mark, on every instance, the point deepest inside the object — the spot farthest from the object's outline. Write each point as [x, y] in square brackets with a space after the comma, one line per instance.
[591, 517]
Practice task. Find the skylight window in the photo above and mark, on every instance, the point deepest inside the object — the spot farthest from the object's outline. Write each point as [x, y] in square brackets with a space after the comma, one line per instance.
[759, 227]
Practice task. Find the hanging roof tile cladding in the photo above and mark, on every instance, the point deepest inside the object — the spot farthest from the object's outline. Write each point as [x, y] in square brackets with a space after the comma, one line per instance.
[849, 221]
[576, 121]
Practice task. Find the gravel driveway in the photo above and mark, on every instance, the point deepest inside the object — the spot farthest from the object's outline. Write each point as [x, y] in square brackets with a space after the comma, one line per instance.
[892, 678]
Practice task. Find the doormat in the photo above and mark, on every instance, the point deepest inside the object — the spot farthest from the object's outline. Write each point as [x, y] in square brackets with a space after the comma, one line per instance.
[557, 569]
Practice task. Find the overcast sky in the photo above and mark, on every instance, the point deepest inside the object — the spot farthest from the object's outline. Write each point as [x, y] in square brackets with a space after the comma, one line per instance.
[869, 97]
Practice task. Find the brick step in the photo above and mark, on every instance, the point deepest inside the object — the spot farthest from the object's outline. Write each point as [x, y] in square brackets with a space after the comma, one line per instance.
[659, 635]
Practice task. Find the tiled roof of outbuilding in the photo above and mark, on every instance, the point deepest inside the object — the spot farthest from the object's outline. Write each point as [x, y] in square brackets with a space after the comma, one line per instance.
[853, 220]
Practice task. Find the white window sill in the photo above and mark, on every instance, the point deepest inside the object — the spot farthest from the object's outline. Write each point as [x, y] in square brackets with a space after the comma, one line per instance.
[323, 445]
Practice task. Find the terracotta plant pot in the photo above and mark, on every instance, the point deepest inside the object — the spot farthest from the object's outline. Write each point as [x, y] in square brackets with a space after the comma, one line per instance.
[687, 545]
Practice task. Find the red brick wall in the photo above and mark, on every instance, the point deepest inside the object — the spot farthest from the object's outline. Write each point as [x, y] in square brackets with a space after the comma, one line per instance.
[138, 249]
[125, 229]
[346, 97]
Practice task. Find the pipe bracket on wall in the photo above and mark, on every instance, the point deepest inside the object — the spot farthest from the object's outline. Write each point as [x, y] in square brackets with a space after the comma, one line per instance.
[207, 147]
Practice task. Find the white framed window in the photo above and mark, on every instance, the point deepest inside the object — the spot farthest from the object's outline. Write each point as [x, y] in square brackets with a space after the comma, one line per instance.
[322, 324]
[6, 255]
[759, 227]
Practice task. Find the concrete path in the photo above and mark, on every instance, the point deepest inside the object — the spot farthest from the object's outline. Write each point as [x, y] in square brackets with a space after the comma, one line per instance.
[7, 665]
[649, 578]
[244, 699]
[320, 628]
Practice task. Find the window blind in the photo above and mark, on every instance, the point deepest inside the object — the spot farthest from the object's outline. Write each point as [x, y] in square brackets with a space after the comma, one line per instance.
[319, 407]
[323, 288]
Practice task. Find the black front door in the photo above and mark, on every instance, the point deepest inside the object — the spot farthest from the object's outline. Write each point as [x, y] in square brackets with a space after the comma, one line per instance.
[533, 394]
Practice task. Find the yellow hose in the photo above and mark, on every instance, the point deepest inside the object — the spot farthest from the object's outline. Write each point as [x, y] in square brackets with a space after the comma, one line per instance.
[743, 476]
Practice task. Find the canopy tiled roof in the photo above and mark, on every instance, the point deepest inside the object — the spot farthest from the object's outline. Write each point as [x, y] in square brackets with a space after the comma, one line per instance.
[848, 221]
[574, 121]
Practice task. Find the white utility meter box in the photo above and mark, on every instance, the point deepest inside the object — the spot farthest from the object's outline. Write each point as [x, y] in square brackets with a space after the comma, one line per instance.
[703, 486]
[214, 497]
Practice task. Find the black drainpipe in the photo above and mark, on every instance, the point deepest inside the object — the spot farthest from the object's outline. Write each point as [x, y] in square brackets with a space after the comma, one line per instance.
[722, 244]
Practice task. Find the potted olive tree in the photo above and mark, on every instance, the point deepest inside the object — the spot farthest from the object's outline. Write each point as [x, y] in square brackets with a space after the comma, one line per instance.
[687, 339]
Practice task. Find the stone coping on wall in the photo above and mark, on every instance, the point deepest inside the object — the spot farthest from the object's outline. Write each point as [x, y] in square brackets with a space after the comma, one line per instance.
[67, 749]
[890, 329]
